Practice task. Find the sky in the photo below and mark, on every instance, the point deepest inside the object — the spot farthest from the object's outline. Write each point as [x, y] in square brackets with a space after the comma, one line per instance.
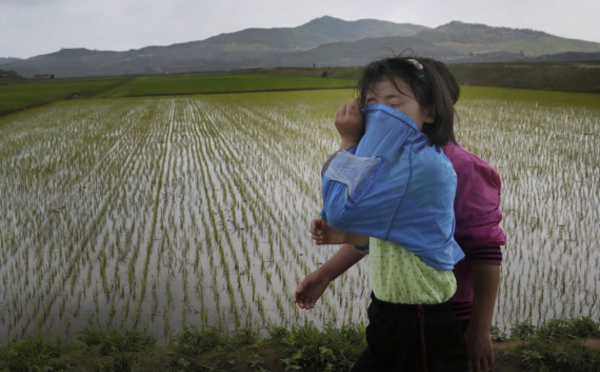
[34, 27]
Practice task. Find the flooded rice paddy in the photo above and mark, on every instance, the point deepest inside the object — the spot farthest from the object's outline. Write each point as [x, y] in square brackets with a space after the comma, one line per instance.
[164, 213]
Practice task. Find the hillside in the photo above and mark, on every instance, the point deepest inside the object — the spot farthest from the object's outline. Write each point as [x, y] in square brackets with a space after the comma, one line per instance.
[480, 39]
[359, 52]
[4, 60]
[9, 77]
[324, 41]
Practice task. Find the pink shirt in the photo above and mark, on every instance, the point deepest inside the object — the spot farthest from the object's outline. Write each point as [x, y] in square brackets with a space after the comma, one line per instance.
[478, 217]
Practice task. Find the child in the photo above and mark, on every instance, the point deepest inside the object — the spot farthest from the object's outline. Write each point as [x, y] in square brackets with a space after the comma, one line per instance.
[394, 184]
[477, 231]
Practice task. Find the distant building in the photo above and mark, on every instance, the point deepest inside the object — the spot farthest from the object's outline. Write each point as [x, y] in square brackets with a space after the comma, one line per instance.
[43, 76]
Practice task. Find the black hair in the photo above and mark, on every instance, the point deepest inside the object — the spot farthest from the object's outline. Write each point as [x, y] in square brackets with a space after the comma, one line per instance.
[433, 85]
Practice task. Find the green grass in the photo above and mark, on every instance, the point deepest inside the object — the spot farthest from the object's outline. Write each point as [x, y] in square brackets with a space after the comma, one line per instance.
[31, 93]
[567, 76]
[559, 345]
[195, 84]
[528, 96]
[558, 76]
[558, 329]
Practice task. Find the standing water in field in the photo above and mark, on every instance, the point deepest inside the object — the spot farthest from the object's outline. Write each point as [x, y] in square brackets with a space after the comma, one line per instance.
[163, 213]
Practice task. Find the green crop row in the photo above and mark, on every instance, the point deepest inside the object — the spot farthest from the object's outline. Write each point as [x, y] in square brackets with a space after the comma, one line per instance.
[194, 84]
[168, 211]
[21, 95]
[546, 99]
[582, 76]
[18, 96]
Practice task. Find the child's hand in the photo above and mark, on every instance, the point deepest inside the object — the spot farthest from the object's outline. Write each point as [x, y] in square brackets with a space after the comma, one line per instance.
[311, 289]
[350, 123]
[322, 233]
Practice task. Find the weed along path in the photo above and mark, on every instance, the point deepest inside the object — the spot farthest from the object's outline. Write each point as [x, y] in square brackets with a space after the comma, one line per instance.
[163, 213]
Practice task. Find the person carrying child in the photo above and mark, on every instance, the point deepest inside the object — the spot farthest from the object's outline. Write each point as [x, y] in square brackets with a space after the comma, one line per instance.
[477, 231]
[392, 189]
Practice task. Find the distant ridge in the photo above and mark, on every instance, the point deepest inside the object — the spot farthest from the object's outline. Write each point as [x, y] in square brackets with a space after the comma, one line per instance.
[340, 30]
[4, 60]
[324, 41]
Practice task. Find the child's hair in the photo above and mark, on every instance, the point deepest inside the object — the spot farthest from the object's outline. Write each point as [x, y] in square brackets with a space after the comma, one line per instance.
[433, 84]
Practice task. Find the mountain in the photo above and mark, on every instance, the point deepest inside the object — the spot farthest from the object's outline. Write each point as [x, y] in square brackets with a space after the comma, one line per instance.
[222, 52]
[478, 38]
[340, 30]
[279, 40]
[357, 53]
[4, 60]
[324, 41]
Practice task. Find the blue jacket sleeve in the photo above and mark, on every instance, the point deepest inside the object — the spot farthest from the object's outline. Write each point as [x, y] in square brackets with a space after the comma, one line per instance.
[396, 186]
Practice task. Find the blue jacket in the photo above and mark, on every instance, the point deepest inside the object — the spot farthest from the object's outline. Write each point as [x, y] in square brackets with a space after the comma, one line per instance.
[396, 186]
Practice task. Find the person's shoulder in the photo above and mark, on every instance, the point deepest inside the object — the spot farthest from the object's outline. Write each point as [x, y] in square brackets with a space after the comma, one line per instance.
[461, 157]
[471, 167]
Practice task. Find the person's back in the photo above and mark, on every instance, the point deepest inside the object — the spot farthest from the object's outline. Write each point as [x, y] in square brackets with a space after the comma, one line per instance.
[478, 216]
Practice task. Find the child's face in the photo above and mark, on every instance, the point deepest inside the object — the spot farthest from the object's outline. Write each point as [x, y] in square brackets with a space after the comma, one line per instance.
[385, 92]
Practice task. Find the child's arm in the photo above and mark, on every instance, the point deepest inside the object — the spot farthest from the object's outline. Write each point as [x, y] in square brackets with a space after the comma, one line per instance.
[350, 123]
[314, 284]
[322, 234]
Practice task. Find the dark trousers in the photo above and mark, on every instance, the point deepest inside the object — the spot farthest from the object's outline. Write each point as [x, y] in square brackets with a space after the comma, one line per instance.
[413, 338]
